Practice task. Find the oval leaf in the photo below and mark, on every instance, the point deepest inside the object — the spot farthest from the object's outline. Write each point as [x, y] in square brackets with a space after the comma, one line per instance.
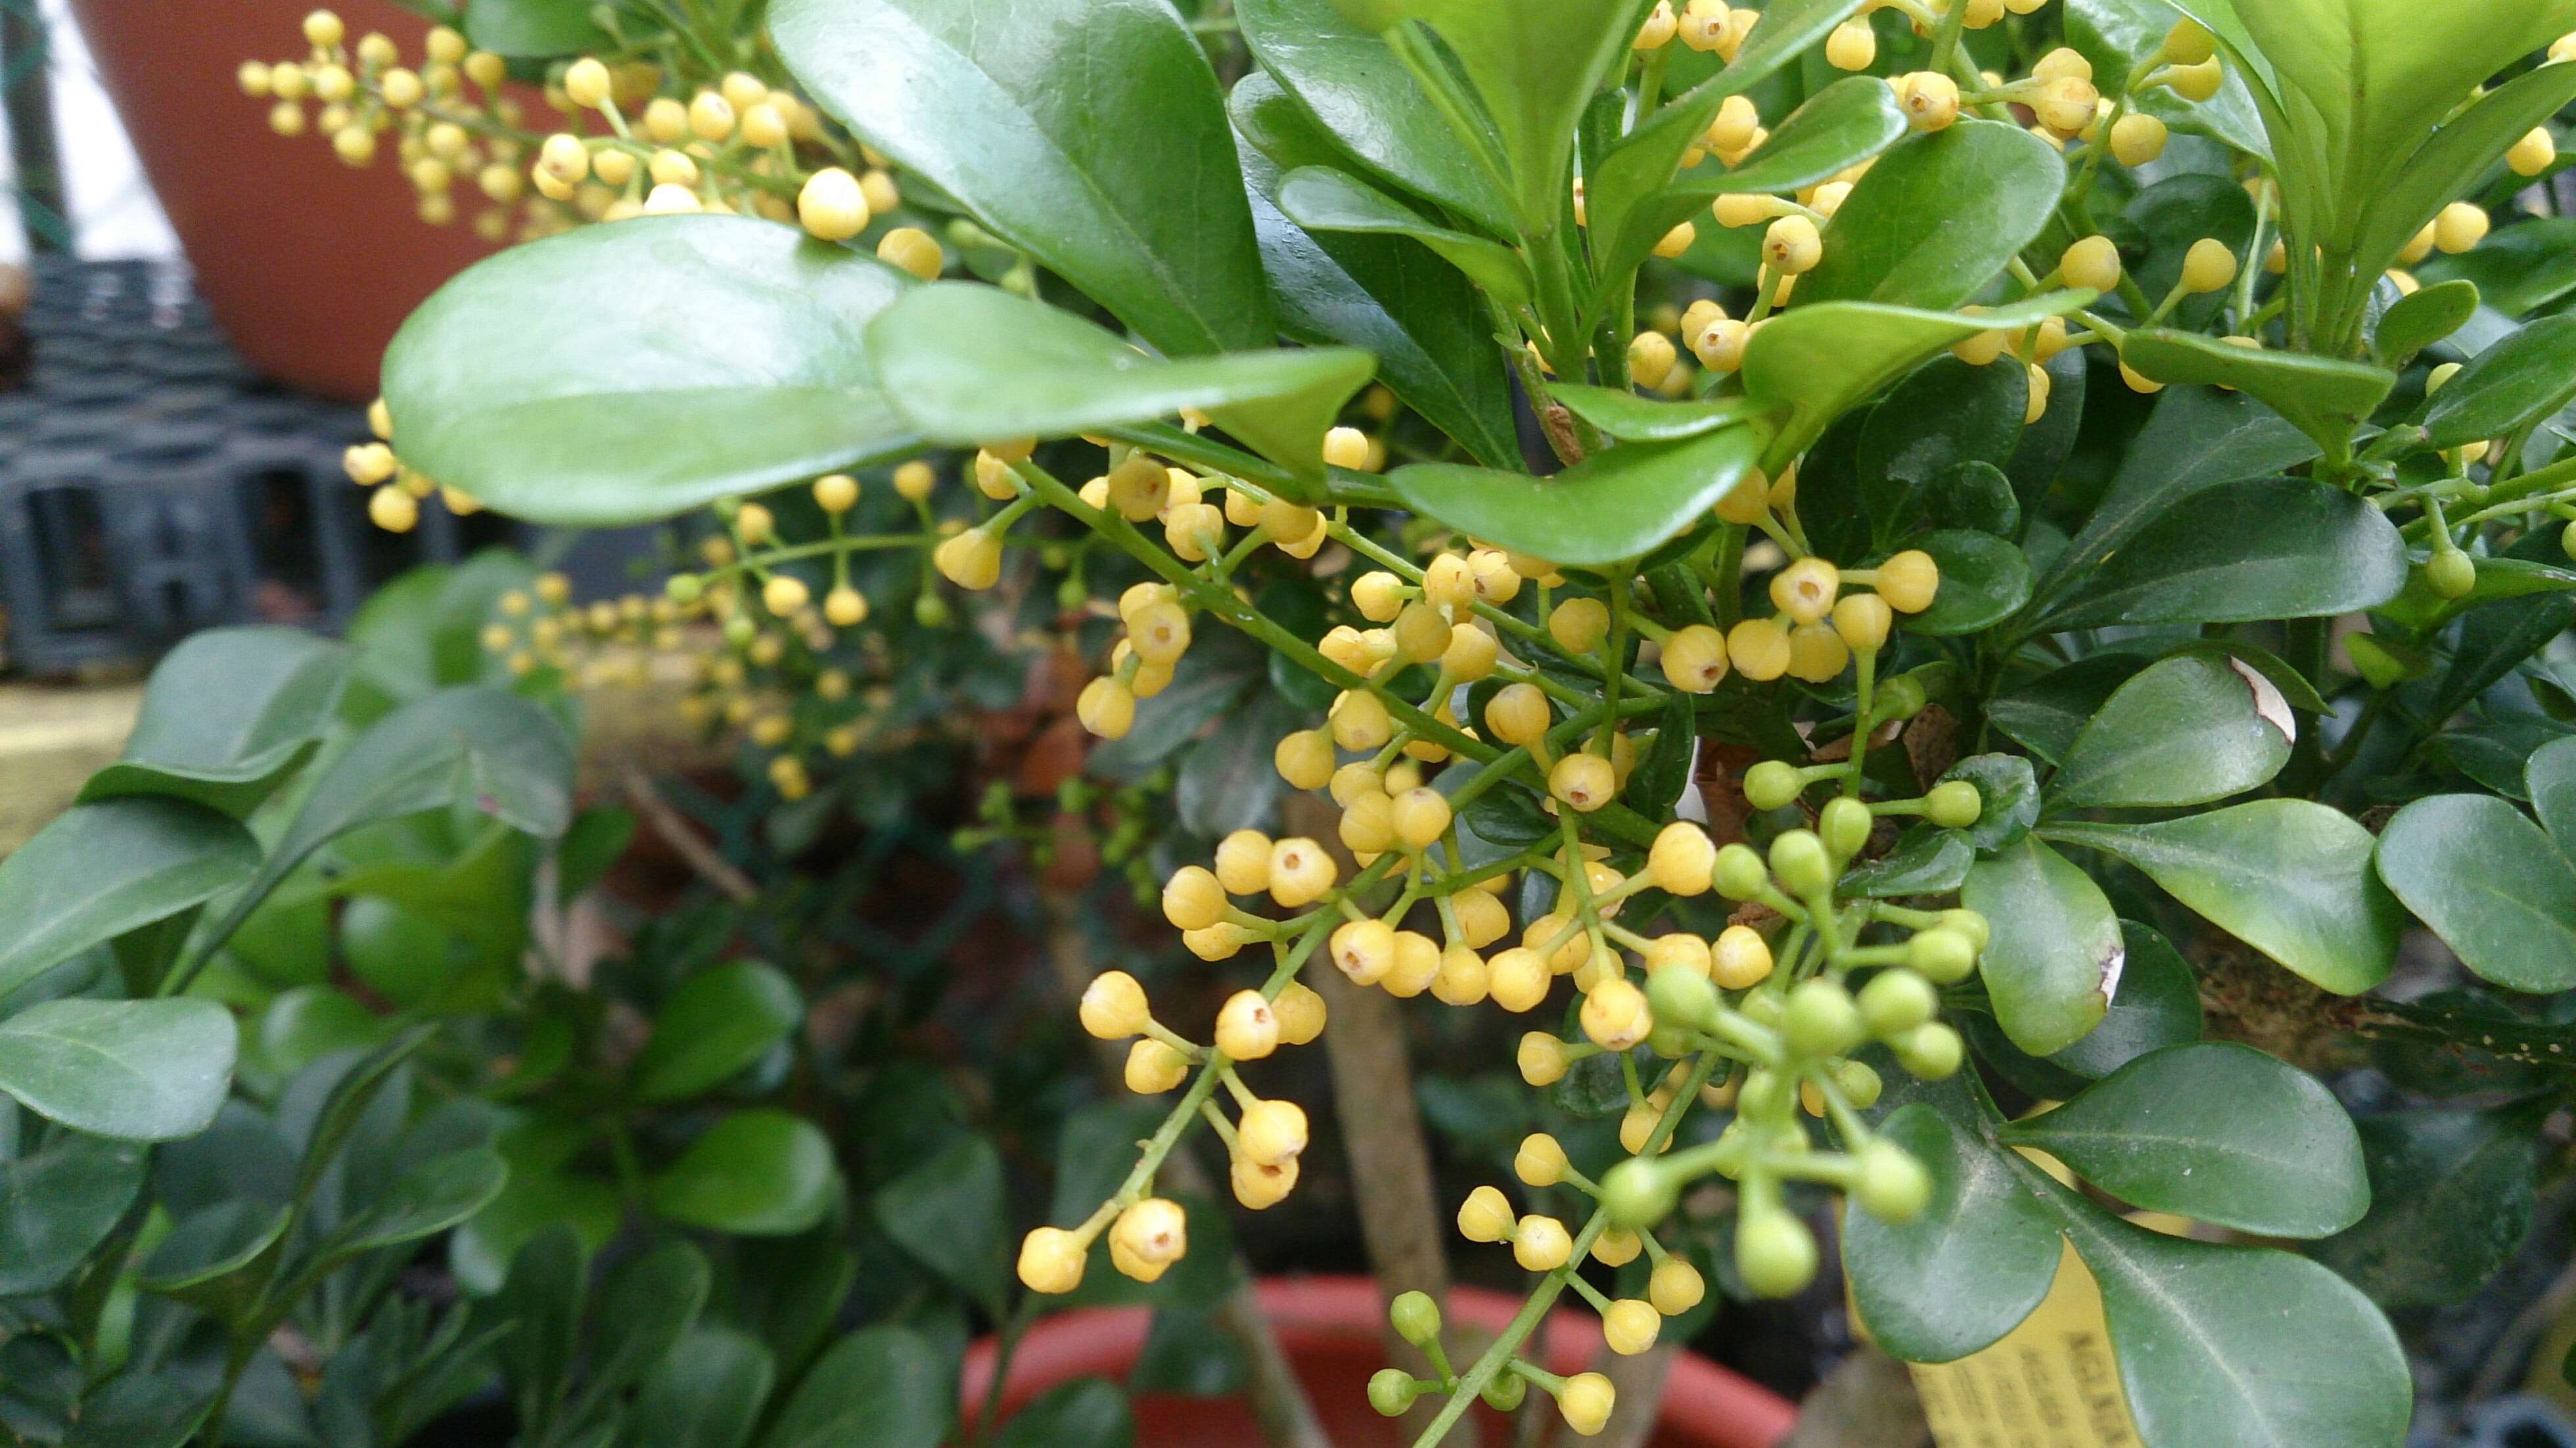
[2452, 1197]
[1938, 217]
[2322, 397]
[1818, 359]
[2528, 376]
[2186, 730]
[2053, 960]
[880, 1387]
[100, 870]
[758, 1173]
[227, 713]
[135, 1070]
[714, 1027]
[1613, 505]
[2490, 884]
[2278, 548]
[1966, 1271]
[1320, 198]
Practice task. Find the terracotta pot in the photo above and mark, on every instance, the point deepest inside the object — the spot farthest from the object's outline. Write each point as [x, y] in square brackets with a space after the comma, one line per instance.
[1329, 1328]
[309, 265]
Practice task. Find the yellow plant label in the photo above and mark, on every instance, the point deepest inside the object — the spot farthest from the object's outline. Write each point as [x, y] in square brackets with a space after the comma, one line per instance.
[2049, 1383]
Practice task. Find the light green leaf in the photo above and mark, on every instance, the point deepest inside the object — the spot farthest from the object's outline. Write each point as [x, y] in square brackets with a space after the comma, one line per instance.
[2277, 548]
[101, 870]
[1843, 125]
[2214, 1131]
[227, 714]
[2528, 376]
[2423, 318]
[1966, 1271]
[1350, 84]
[2187, 730]
[761, 1173]
[2322, 397]
[1035, 115]
[880, 1387]
[714, 1027]
[1613, 505]
[713, 355]
[968, 363]
[1628, 417]
[135, 1070]
[2054, 955]
[2289, 877]
[1819, 359]
[2490, 884]
[1319, 198]
[2550, 777]
[537, 29]
[1937, 218]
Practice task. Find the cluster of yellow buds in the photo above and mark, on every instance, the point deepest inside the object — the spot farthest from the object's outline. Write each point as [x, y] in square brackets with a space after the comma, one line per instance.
[395, 489]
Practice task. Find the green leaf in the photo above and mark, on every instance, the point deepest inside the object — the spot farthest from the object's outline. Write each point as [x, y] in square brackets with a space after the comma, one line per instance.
[715, 1026]
[2518, 269]
[430, 1198]
[644, 1308]
[2046, 714]
[2217, 1132]
[1984, 580]
[2186, 730]
[57, 1205]
[707, 1393]
[657, 402]
[1971, 1267]
[1841, 126]
[227, 714]
[535, 29]
[1937, 218]
[2490, 884]
[2204, 1358]
[1535, 64]
[1320, 198]
[1613, 505]
[1939, 418]
[1088, 1413]
[2550, 778]
[949, 1213]
[968, 363]
[2465, 149]
[2452, 1195]
[2422, 319]
[1228, 782]
[1629, 417]
[2007, 798]
[1820, 358]
[762, 1173]
[2053, 959]
[1396, 301]
[1034, 115]
[218, 1258]
[1351, 85]
[2289, 877]
[136, 1070]
[880, 1387]
[2156, 1005]
[2195, 439]
[2528, 376]
[2122, 38]
[101, 870]
[1924, 862]
[2277, 548]
[2322, 397]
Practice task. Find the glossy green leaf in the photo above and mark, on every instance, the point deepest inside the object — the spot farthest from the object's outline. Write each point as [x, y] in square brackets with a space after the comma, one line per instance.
[2007, 798]
[2518, 269]
[1319, 198]
[713, 1027]
[2217, 1132]
[2053, 958]
[1841, 126]
[2452, 1195]
[1629, 417]
[1349, 83]
[2205, 1357]
[1228, 781]
[1938, 418]
[2488, 882]
[2549, 777]
[2186, 730]
[1088, 1413]
[2196, 438]
[880, 1387]
[1611, 506]
[100, 870]
[58, 1204]
[2157, 1005]
[1937, 218]
[227, 714]
[135, 1070]
[978, 97]
[968, 363]
[2289, 877]
[2422, 319]
[2322, 397]
[2045, 714]
[715, 355]
[2122, 38]
[949, 1213]
[1534, 64]
[1984, 580]
[430, 1198]
[217, 1258]
[536, 29]
[707, 1393]
[1928, 862]
[2528, 376]
[1818, 359]
[761, 1173]
[2466, 148]
[1971, 1267]
[1389, 297]
[2278, 548]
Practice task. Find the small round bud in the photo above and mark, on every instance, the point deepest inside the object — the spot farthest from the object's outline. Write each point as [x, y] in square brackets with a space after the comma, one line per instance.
[1486, 1216]
[1271, 1132]
[1694, 658]
[1051, 1260]
[1683, 998]
[1909, 580]
[1391, 1392]
[1586, 1400]
[1943, 956]
[1540, 1162]
[1844, 826]
[1676, 1287]
[1740, 873]
[1300, 872]
[1896, 1001]
[2138, 138]
[1542, 1058]
[1775, 1254]
[1153, 1068]
[1246, 1028]
[1615, 1014]
[1893, 1186]
[1821, 1020]
[1629, 1327]
[1113, 1006]
[1541, 1243]
[2208, 267]
[1953, 804]
[1799, 861]
[1583, 782]
[1637, 1194]
[1931, 1052]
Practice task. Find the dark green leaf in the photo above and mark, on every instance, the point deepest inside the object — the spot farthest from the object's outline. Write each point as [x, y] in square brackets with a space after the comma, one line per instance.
[1615, 505]
[644, 1308]
[1089, 1413]
[2217, 1132]
[2007, 795]
[2046, 714]
[2289, 877]
[1229, 781]
[101, 870]
[976, 97]
[2467, 147]
[1971, 1267]
[762, 1173]
[1943, 415]
[2452, 1196]
[1938, 217]
[2278, 548]
[2528, 376]
[2322, 397]
[2055, 953]
[430, 1198]
[880, 1387]
[2187, 730]
[2517, 270]
[2489, 883]
[1984, 580]
[652, 406]
[227, 714]
[715, 1026]
[137, 1070]
[1320, 198]
[57, 1205]
[949, 1213]
[2156, 1004]
[707, 1393]
[217, 1259]
[1925, 861]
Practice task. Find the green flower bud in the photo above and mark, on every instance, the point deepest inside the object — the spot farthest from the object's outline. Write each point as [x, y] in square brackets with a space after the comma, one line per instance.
[1771, 784]
[1740, 873]
[1844, 825]
[1822, 1021]
[1681, 997]
[1415, 1317]
[1392, 1390]
[1892, 1186]
[1798, 859]
[1944, 956]
[1955, 805]
[1638, 1193]
[1896, 1001]
[1931, 1052]
[1774, 1253]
